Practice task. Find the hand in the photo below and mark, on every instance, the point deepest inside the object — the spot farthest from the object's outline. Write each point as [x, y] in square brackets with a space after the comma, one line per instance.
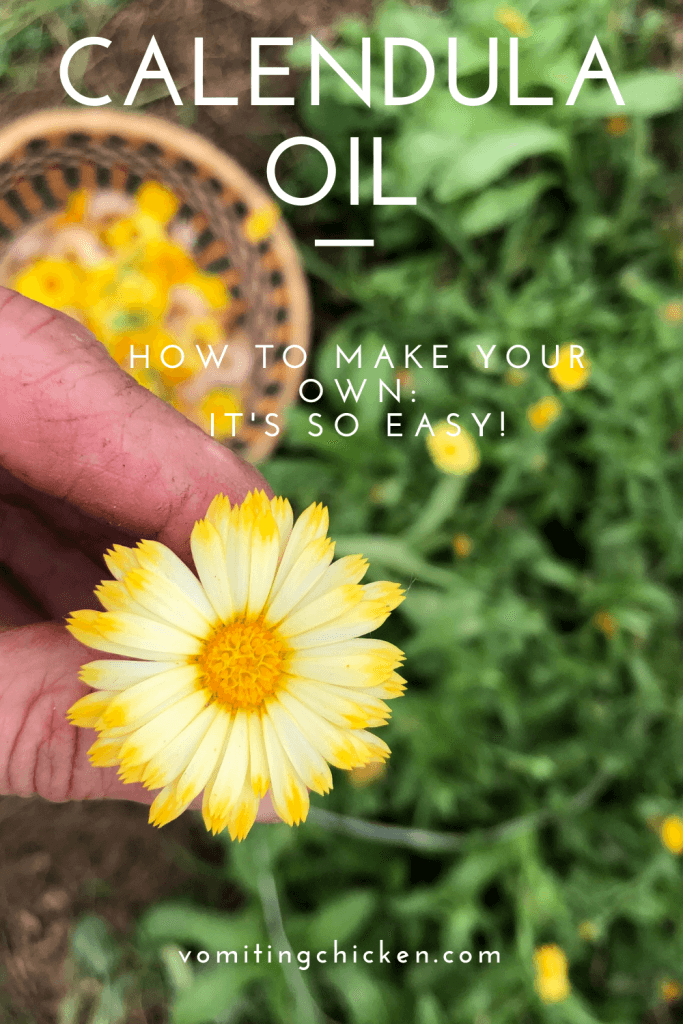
[88, 458]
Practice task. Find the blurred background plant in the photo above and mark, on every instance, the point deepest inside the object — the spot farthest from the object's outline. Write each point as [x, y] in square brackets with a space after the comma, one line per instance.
[532, 801]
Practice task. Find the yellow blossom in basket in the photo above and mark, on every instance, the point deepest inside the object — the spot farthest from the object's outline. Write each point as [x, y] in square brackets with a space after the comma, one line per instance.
[513, 20]
[55, 283]
[166, 262]
[76, 208]
[457, 455]
[567, 376]
[544, 412]
[211, 288]
[261, 222]
[222, 402]
[551, 983]
[157, 201]
[671, 833]
[179, 363]
[251, 676]
[128, 235]
[147, 379]
[670, 990]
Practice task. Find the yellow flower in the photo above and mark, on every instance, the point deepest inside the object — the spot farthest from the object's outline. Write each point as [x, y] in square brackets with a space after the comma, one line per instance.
[670, 990]
[157, 201]
[55, 283]
[606, 623]
[127, 234]
[544, 412]
[363, 776]
[457, 455]
[167, 262]
[212, 289]
[261, 222]
[671, 834]
[221, 402]
[617, 125]
[247, 679]
[462, 545]
[566, 376]
[189, 363]
[515, 377]
[673, 312]
[552, 983]
[513, 20]
[76, 209]
[588, 931]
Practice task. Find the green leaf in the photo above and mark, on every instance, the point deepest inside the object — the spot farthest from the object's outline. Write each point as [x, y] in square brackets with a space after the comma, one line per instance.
[645, 94]
[499, 206]
[341, 918]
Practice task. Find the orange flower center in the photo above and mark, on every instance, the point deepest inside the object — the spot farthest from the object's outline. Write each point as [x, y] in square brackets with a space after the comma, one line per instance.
[242, 664]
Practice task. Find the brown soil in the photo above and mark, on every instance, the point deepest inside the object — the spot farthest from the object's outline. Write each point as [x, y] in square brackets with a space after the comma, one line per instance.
[60, 861]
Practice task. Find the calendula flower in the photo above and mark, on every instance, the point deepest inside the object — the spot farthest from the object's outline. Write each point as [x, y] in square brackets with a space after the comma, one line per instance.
[606, 623]
[462, 545]
[588, 931]
[223, 403]
[617, 125]
[569, 374]
[672, 313]
[253, 677]
[551, 983]
[544, 412]
[670, 990]
[671, 834]
[157, 201]
[457, 455]
[513, 20]
[55, 283]
[261, 222]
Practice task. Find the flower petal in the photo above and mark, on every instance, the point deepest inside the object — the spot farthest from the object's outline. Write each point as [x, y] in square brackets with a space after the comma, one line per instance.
[87, 711]
[132, 631]
[150, 738]
[301, 579]
[170, 762]
[161, 560]
[150, 696]
[265, 551]
[163, 598]
[233, 769]
[311, 524]
[205, 760]
[352, 709]
[258, 760]
[287, 790]
[208, 553]
[332, 606]
[308, 762]
[107, 674]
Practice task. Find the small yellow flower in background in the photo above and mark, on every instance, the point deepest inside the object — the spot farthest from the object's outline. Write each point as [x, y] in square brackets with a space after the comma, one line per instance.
[457, 455]
[366, 774]
[513, 20]
[222, 402]
[544, 412]
[670, 990]
[462, 545]
[261, 222]
[552, 983]
[567, 376]
[76, 207]
[588, 931]
[672, 313]
[157, 201]
[55, 283]
[671, 834]
[606, 623]
[617, 125]
[515, 377]
[250, 676]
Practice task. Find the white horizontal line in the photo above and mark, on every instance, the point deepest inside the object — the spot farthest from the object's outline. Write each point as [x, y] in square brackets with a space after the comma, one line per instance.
[344, 241]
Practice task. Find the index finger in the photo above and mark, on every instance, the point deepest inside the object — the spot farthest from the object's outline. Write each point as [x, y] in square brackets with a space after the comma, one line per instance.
[76, 426]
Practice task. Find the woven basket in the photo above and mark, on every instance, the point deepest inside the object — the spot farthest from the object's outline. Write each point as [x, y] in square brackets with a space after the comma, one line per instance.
[47, 156]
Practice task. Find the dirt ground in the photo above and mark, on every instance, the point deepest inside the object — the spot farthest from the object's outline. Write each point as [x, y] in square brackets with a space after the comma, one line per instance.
[60, 861]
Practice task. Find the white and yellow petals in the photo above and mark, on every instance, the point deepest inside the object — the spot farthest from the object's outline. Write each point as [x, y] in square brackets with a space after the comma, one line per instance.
[163, 598]
[150, 738]
[157, 558]
[105, 753]
[87, 711]
[254, 677]
[311, 524]
[154, 694]
[354, 709]
[287, 790]
[301, 579]
[121, 560]
[106, 674]
[265, 551]
[308, 762]
[169, 762]
[208, 552]
[233, 768]
[332, 606]
[205, 760]
[258, 761]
